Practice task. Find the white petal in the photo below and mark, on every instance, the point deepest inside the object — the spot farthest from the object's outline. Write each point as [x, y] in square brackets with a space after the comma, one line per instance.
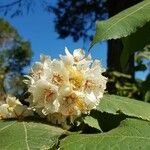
[78, 54]
[91, 100]
[68, 53]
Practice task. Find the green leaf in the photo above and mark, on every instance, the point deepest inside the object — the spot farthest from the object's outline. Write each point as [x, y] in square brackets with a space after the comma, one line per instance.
[124, 23]
[135, 42]
[23, 135]
[144, 54]
[92, 122]
[122, 105]
[140, 67]
[132, 134]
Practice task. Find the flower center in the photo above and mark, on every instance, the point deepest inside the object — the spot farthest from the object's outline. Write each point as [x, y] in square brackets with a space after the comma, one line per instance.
[89, 84]
[57, 79]
[48, 93]
[76, 59]
[72, 101]
[81, 104]
[76, 78]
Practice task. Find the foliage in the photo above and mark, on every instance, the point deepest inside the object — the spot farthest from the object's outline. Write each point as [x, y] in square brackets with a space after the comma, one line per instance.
[146, 89]
[6, 33]
[135, 42]
[124, 85]
[127, 134]
[124, 23]
[31, 135]
[15, 54]
[122, 105]
[131, 134]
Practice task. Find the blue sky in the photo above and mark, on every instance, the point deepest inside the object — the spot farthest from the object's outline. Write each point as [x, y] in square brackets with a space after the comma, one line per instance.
[38, 28]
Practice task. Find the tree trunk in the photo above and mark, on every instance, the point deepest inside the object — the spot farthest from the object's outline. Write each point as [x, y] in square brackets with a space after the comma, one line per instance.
[115, 46]
[2, 90]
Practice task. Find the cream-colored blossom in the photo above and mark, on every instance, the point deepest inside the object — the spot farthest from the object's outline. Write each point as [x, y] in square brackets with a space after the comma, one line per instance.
[71, 102]
[12, 108]
[58, 75]
[43, 95]
[78, 55]
[94, 80]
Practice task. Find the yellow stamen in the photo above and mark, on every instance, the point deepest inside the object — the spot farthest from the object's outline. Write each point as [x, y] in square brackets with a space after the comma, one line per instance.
[89, 84]
[73, 100]
[76, 77]
[57, 79]
[48, 93]
[81, 104]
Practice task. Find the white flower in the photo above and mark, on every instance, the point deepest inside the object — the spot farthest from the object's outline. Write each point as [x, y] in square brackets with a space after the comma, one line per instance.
[77, 56]
[4, 113]
[58, 74]
[91, 101]
[95, 81]
[71, 102]
[44, 94]
[76, 77]
[12, 108]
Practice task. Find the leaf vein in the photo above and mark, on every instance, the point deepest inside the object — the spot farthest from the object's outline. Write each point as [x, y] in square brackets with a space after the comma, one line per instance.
[125, 17]
[26, 136]
[7, 126]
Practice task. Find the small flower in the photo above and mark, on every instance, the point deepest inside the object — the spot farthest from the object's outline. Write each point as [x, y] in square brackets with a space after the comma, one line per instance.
[59, 75]
[94, 80]
[43, 95]
[12, 108]
[71, 102]
[78, 55]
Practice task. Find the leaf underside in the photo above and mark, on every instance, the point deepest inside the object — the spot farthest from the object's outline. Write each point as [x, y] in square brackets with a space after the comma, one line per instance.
[124, 23]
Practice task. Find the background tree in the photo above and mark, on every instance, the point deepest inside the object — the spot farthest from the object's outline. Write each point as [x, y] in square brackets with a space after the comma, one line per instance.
[15, 54]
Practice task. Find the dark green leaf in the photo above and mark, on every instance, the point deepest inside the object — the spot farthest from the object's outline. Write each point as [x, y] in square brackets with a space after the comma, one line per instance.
[23, 135]
[135, 42]
[122, 105]
[92, 122]
[124, 23]
[132, 134]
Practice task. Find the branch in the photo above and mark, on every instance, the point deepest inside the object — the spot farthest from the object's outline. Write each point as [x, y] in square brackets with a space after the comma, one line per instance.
[10, 4]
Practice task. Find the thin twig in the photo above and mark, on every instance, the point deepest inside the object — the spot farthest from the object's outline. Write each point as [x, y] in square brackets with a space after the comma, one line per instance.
[10, 4]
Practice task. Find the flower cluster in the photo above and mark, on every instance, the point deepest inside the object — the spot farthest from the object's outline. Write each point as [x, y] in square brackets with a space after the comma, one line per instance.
[69, 86]
[59, 88]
